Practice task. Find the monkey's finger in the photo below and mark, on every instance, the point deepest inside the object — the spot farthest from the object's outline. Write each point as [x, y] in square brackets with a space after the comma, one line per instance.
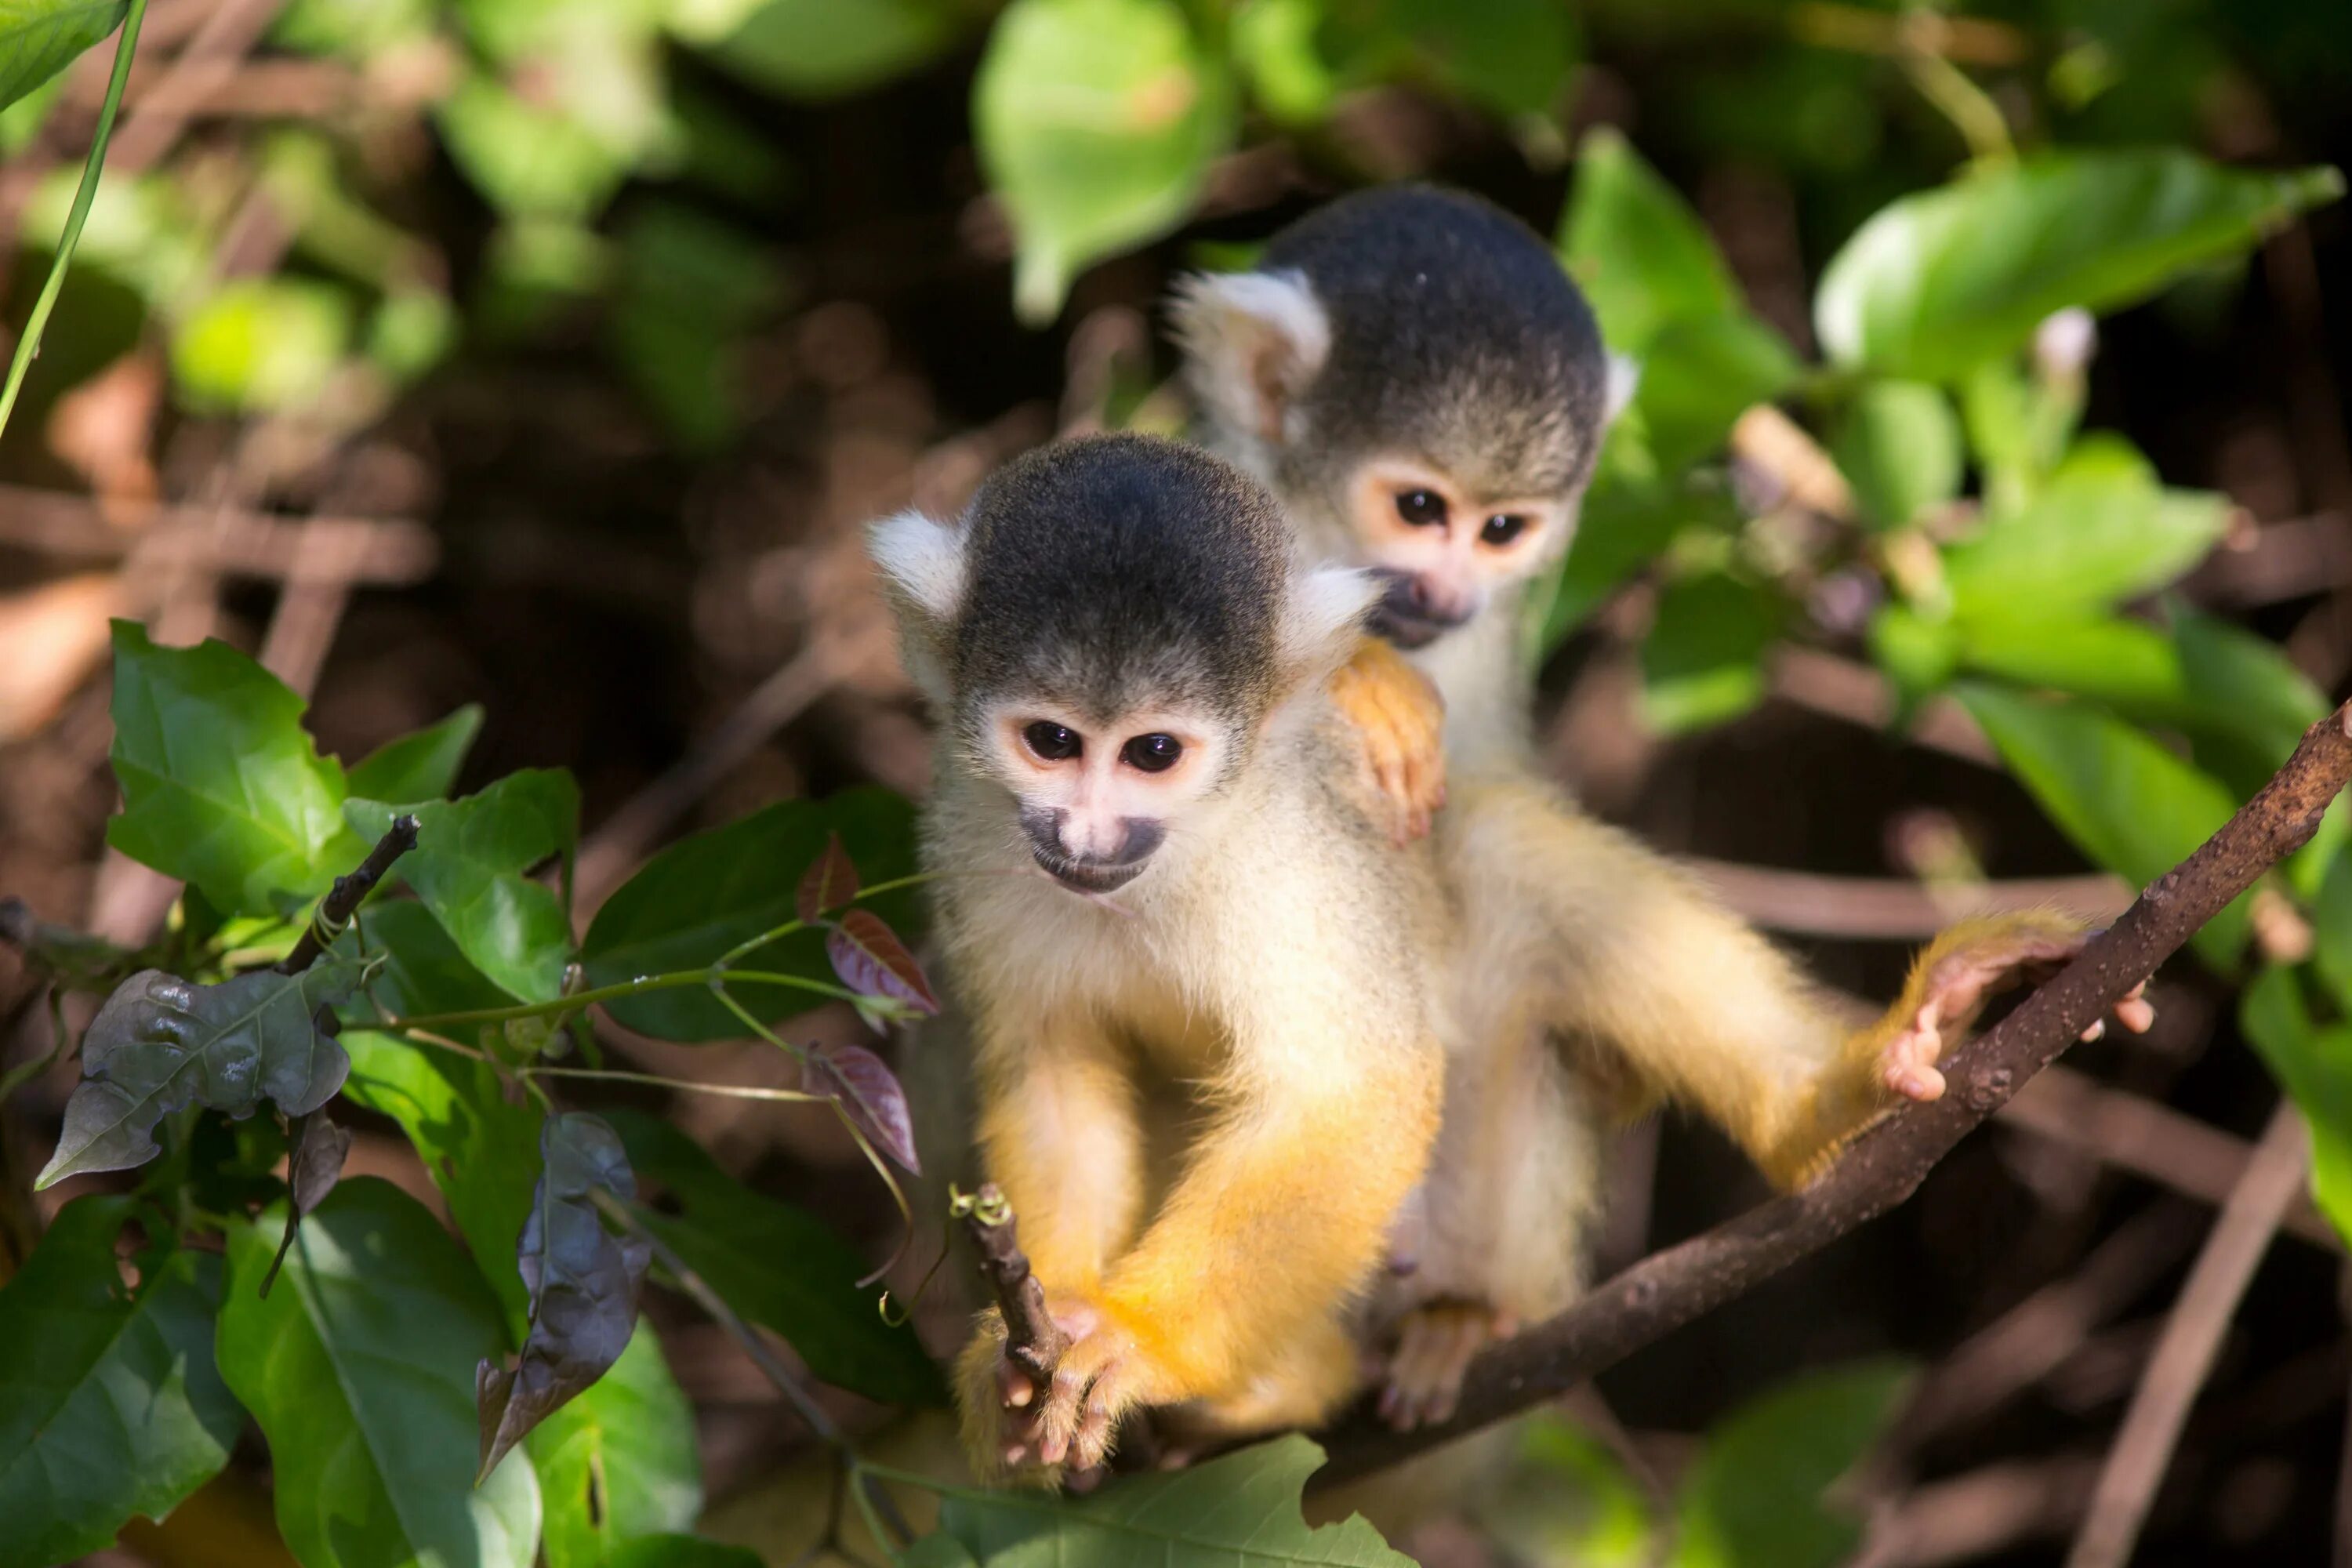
[2095, 1030]
[1058, 1419]
[1014, 1386]
[2136, 1011]
[1084, 1480]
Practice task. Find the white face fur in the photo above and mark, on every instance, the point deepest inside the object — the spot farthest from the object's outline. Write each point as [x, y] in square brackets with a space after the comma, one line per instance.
[1096, 799]
[1444, 549]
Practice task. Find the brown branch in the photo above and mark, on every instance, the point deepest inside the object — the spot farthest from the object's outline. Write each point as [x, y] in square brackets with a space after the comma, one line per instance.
[229, 540]
[343, 899]
[1885, 908]
[1032, 1341]
[2192, 1334]
[1886, 1164]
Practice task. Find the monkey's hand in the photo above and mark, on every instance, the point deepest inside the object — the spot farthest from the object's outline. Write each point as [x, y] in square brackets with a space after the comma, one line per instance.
[1060, 1433]
[1400, 722]
[1968, 964]
[1435, 1343]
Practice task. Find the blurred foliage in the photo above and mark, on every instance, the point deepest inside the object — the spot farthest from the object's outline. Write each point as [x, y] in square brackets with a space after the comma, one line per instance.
[504, 174]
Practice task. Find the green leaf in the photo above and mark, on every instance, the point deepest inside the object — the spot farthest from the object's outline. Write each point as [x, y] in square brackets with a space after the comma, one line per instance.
[1096, 121]
[1702, 662]
[1699, 375]
[1642, 257]
[705, 893]
[778, 1266]
[162, 1042]
[262, 345]
[1629, 517]
[1945, 279]
[820, 49]
[2101, 531]
[678, 1551]
[1918, 652]
[40, 38]
[220, 784]
[2332, 932]
[480, 1148]
[111, 1405]
[422, 765]
[692, 289]
[1510, 56]
[1242, 1508]
[1274, 43]
[584, 1284]
[469, 867]
[528, 157]
[619, 1462]
[359, 1368]
[1569, 1498]
[2132, 807]
[1753, 1500]
[1900, 449]
[2313, 1065]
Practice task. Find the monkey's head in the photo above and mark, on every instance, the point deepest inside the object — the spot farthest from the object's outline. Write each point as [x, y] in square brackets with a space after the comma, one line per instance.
[1107, 634]
[1421, 384]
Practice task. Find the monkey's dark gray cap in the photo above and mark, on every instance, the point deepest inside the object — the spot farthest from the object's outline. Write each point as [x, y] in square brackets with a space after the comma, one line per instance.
[1116, 571]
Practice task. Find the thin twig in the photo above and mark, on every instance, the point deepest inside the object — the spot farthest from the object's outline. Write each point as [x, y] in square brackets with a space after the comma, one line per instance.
[1886, 1164]
[2192, 1334]
[1887, 909]
[343, 900]
[1032, 1341]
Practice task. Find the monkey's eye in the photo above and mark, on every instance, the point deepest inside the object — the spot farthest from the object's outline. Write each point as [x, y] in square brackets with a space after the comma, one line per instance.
[1052, 742]
[1152, 754]
[1503, 528]
[1423, 509]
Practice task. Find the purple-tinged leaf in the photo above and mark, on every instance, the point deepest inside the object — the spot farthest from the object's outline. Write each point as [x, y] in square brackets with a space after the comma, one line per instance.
[867, 1091]
[829, 883]
[872, 961]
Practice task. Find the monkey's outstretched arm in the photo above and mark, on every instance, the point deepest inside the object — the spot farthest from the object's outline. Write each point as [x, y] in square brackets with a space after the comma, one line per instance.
[1059, 1133]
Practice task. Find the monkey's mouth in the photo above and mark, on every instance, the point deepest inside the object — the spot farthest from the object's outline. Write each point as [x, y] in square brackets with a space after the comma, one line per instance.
[1088, 877]
[1404, 628]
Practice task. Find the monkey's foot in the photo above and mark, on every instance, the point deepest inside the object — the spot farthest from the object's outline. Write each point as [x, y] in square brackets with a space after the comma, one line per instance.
[1400, 722]
[1957, 985]
[1434, 1344]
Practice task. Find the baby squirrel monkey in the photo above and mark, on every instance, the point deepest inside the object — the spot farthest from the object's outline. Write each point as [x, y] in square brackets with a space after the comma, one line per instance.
[1129, 671]
[1426, 391]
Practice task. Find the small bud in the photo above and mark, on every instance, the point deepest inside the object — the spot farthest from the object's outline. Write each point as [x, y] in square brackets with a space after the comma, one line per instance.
[2063, 344]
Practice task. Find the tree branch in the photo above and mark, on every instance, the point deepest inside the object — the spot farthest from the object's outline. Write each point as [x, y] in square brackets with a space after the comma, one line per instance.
[343, 899]
[1888, 1163]
[1032, 1341]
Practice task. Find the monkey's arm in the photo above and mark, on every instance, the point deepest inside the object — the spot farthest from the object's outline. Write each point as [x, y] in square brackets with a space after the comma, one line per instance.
[1634, 955]
[1400, 723]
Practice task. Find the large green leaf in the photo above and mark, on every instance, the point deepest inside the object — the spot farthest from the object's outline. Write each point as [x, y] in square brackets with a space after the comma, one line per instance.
[1702, 662]
[1754, 1498]
[1510, 56]
[822, 49]
[1645, 259]
[702, 895]
[777, 1264]
[1242, 1508]
[1568, 1498]
[2101, 531]
[2132, 807]
[220, 784]
[2313, 1065]
[358, 1366]
[40, 38]
[1943, 280]
[1096, 121]
[110, 1402]
[421, 764]
[679, 1552]
[1699, 375]
[162, 1042]
[1629, 517]
[468, 866]
[620, 1461]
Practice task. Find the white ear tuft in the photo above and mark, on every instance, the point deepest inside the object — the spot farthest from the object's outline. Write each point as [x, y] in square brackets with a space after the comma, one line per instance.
[921, 560]
[1624, 380]
[1252, 341]
[1325, 619]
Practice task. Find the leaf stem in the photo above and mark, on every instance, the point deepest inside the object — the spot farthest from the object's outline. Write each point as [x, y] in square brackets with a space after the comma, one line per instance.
[725, 1090]
[28, 347]
[776, 933]
[675, 980]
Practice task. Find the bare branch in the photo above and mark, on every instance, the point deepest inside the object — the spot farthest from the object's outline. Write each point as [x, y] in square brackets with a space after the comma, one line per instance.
[335, 910]
[1032, 1341]
[1886, 1164]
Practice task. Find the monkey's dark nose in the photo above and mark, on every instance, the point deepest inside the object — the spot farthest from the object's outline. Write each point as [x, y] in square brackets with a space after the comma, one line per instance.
[1408, 613]
[1089, 873]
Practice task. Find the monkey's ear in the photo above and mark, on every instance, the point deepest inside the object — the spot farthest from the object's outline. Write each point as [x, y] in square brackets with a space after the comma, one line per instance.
[1252, 341]
[921, 561]
[1324, 620]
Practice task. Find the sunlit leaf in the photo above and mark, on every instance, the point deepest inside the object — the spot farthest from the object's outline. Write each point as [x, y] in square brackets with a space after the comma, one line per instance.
[40, 38]
[1699, 375]
[1096, 121]
[1242, 1508]
[1754, 1498]
[704, 894]
[778, 1265]
[111, 1406]
[581, 1278]
[470, 866]
[220, 784]
[1640, 252]
[162, 1042]
[262, 345]
[1900, 447]
[360, 1369]
[1950, 278]
[619, 1462]
[820, 49]
[2132, 807]
[420, 765]
[1568, 1498]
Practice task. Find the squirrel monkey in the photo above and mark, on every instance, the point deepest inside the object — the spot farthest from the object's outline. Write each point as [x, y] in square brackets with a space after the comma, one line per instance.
[1425, 391]
[1195, 974]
